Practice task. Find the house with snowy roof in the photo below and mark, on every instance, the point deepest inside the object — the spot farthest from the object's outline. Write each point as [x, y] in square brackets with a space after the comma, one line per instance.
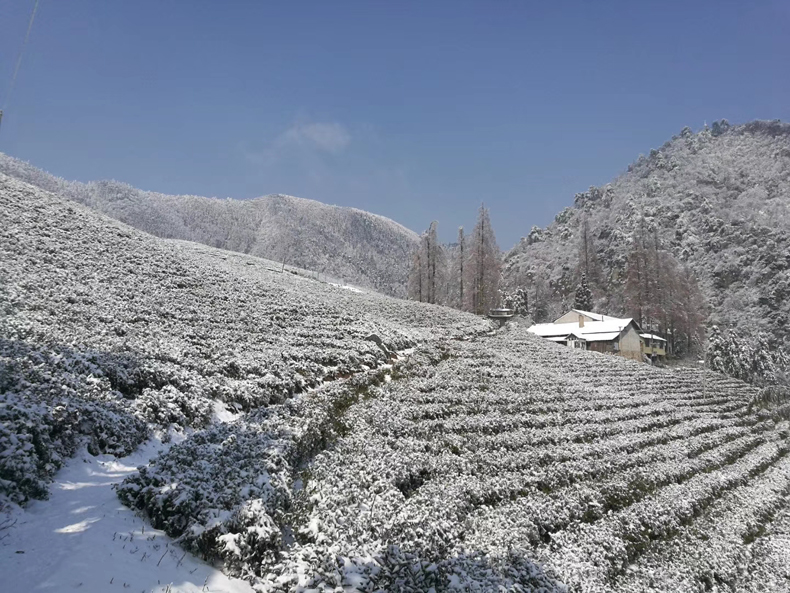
[653, 346]
[594, 331]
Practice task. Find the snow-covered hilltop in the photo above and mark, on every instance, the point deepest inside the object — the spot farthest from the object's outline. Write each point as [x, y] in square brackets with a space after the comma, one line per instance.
[718, 200]
[350, 244]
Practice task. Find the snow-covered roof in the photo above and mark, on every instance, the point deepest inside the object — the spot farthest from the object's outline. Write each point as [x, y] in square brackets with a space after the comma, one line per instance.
[608, 328]
[603, 337]
[557, 338]
[652, 337]
[596, 316]
[545, 330]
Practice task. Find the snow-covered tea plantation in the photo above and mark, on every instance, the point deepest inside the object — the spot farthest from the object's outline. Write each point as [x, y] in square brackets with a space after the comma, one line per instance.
[514, 464]
[326, 439]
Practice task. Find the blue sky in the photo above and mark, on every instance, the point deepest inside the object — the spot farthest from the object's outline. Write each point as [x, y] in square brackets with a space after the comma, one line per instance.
[414, 110]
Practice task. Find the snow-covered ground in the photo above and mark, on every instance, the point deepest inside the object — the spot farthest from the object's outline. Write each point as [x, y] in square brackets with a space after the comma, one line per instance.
[107, 333]
[104, 329]
[346, 441]
[84, 539]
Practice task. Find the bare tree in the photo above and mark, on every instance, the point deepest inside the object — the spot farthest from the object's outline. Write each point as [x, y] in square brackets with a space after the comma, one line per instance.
[635, 297]
[416, 275]
[461, 256]
[427, 277]
[483, 267]
[641, 284]
[437, 269]
[690, 313]
[540, 300]
[589, 265]
[456, 256]
[663, 296]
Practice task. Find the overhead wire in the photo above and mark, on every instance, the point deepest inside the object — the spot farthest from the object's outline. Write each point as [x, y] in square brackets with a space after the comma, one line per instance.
[12, 84]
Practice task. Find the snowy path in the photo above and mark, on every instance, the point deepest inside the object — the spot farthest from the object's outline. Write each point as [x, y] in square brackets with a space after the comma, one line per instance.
[84, 539]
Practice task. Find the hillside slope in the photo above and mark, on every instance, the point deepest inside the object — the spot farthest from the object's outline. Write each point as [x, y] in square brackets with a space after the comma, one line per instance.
[513, 464]
[127, 328]
[352, 440]
[349, 244]
[108, 334]
[719, 200]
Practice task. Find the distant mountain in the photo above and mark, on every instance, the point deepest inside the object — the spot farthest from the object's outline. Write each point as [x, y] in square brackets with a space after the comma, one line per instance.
[353, 245]
[718, 200]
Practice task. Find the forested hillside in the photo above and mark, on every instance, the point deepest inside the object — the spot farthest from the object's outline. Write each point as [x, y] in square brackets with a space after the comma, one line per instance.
[349, 244]
[712, 206]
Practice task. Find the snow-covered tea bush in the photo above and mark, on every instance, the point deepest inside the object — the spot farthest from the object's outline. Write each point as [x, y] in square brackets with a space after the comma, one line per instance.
[50, 404]
[226, 491]
[106, 329]
[589, 468]
[497, 463]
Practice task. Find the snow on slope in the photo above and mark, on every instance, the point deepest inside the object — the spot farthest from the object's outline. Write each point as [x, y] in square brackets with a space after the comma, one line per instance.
[107, 332]
[105, 328]
[503, 463]
[512, 464]
[84, 539]
[350, 244]
[477, 461]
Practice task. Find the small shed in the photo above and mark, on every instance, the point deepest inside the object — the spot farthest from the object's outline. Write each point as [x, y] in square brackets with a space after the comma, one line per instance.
[501, 315]
[653, 345]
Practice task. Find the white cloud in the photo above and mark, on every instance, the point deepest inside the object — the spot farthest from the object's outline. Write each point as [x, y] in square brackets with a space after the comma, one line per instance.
[303, 143]
[327, 137]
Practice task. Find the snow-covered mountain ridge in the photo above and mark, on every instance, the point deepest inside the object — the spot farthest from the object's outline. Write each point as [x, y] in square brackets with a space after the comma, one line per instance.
[352, 245]
[372, 443]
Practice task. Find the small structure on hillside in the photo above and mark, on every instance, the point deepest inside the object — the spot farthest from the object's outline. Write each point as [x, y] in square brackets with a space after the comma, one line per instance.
[501, 315]
[594, 331]
[653, 346]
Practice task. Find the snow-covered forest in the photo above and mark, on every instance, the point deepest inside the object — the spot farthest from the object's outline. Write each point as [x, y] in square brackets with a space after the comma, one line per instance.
[713, 206]
[465, 275]
[313, 437]
[349, 244]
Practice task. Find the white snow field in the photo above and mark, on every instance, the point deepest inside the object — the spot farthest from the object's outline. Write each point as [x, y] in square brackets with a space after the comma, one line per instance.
[345, 441]
[83, 539]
